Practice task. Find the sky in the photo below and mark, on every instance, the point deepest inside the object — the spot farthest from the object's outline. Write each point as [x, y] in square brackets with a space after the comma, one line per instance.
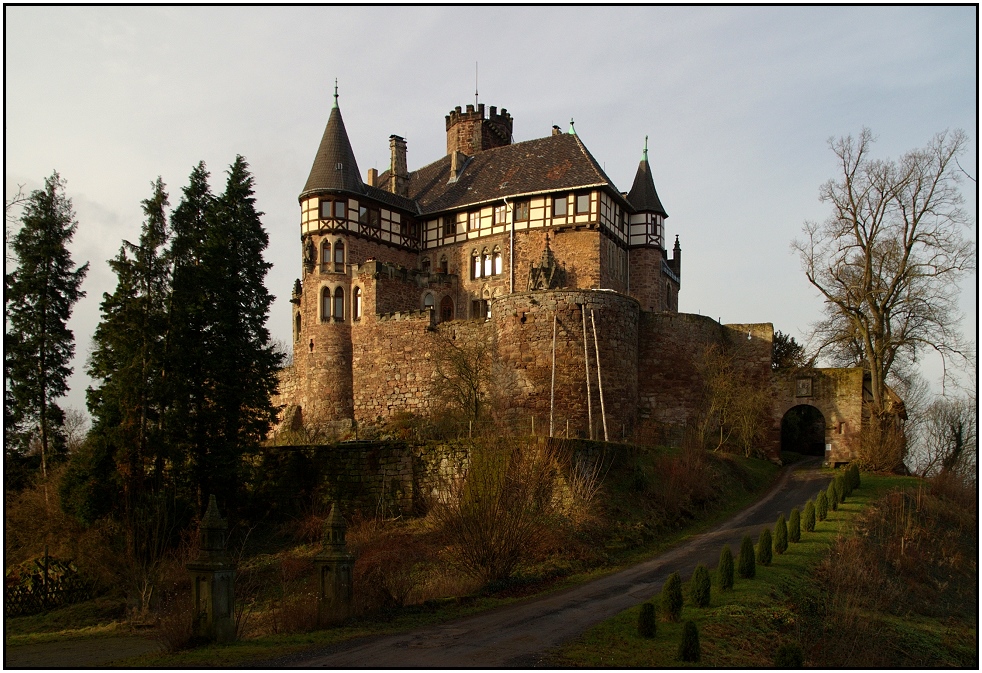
[738, 105]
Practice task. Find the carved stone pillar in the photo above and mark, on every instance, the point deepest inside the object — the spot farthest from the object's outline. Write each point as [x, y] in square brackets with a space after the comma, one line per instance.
[212, 581]
[333, 566]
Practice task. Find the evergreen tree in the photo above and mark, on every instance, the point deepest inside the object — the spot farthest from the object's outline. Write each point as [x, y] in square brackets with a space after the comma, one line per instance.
[780, 535]
[700, 586]
[832, 496]
[725, 568]
[809, 517]
[765, 549]
[841, 487]
[822, 506]
[671, 597]
[794, 526]
[39, 299]
[647, 625]
[855, 478]
[689, 650]
[745, 563]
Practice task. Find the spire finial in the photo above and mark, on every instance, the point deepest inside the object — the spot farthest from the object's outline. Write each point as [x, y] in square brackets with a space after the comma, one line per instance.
[645, 149]
[572, 131]
[335, 92]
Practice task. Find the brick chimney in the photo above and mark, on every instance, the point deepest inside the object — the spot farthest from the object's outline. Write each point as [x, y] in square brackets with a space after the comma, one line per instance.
[398, 173]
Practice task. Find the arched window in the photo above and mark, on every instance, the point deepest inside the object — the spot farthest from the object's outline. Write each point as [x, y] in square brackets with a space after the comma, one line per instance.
[325, 304]
[339, 304]
[444, 264]
[446, 309]
[339, 256]
[428, 301]
[425, 264]
[325, 256]
[297, 335]
[496, 257]
[486, 259]
[475, 264]
[356, 303]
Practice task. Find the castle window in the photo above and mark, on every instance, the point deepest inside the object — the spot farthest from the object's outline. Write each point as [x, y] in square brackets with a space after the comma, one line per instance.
[486, 258]
[496, 257]
[428, 301]
[498, 216]
[325, 304]
[369, 217]
[475, 265]
[449, 225]
[522, 211]
[325, 256]
[446, 309]
[339, 304]
[582, 203]
[297, 336]
[356, 303]
[339, 256]
[444, 264]
[559, 206]
[425, 265]
[333, 209]
[473, 221]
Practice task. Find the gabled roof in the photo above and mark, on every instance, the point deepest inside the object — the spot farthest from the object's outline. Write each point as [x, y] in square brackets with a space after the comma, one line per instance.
[553, 163]
[335, 168]
[643, 196]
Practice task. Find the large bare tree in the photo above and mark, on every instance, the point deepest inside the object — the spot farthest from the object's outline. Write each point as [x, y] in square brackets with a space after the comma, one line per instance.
[888, 259]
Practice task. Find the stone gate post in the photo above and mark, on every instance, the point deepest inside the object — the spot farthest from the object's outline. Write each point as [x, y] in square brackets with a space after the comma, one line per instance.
[333, 566]
[212, 581]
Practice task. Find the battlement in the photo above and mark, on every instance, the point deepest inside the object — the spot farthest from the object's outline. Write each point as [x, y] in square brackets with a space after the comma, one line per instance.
[426, 314]
[469, 132]
[471, 114]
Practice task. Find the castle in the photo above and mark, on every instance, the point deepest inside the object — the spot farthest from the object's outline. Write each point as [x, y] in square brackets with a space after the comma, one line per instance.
[526, 244]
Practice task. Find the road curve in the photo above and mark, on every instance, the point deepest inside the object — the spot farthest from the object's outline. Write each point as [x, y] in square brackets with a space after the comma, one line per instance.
[520, 635]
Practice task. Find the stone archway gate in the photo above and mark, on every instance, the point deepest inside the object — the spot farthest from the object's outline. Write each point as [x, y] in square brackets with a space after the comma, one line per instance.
[837, 393]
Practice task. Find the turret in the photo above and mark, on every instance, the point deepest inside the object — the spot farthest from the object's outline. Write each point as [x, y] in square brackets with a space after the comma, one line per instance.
[469, 132]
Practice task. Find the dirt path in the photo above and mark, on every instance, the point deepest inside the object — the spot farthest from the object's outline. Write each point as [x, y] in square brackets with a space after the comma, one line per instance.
[81, 653]
[522, 634]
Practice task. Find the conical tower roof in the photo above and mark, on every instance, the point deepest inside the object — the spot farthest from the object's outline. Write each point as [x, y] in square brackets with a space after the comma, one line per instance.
[335, 168]
[643, 195]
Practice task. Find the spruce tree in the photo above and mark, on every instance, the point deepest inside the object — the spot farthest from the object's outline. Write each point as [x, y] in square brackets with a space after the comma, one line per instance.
[810, 517]
[794, 526]
[832, 496]
[700, 586]
[822, 506]
[841, 487]
[671, 597]
[647, 624]
[40, 294]
[689, 650]
[745, 563]
[725, 568]
[765, 547]
[780, 535]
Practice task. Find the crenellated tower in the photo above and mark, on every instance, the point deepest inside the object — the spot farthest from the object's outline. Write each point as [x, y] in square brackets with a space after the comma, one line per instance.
[470, 133]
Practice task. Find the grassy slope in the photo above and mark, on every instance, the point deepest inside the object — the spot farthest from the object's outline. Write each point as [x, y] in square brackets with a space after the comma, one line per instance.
[742, 628]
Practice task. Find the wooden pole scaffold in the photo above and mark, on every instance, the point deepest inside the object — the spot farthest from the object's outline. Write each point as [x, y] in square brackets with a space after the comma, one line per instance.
[586, 365]
[552, 392]
[600, 381]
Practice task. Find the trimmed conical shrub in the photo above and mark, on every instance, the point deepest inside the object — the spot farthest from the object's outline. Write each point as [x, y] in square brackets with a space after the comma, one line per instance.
[700, 587]
[780, 535]
[809, 517]
[794, 526]
[647, 624]
[765, 550]
[845, 483]
[725, 568]
[822, 506]
[745, 564]
[832, 496]
[789, 656]
[671, 598]
[689, 647]
[856, 479]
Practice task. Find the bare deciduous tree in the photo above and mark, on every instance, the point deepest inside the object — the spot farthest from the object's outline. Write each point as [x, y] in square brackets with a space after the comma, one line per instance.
[888, 258]
[734, 409]
[949, 442]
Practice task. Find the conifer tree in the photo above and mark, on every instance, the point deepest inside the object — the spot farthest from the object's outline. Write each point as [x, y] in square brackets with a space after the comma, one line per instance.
[832, 496]
[794, 526]
[725, 568]
[647, 624]
[700, 586]
[842, 487]
[810, 517]
[671, 597]
[765, 548]
[746, 565]
[689, 650]
[39, 298]
[822, 506]
[780, 535]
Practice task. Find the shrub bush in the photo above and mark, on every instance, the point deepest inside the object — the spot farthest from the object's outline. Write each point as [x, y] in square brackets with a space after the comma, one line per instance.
[647, 625]
[856, 480]
[832, 496]
[794, 526]
[745, 564]
[841, 487]
[789, 656]
[671, 597]
[845, 483]
[822, 506]
[809, 522]
[781, 535]
[725, 568]
[689, 647]
[765, 548]
[700, 586]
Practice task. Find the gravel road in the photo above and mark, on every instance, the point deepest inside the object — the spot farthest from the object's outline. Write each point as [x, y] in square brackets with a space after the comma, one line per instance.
[521, 635]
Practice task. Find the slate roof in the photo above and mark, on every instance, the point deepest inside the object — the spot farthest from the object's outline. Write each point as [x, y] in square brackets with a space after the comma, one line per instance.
[553, 163]
[643, 196]
[334, 152]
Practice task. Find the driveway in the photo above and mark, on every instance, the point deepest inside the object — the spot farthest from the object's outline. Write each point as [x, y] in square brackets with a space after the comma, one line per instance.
[520, 635]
